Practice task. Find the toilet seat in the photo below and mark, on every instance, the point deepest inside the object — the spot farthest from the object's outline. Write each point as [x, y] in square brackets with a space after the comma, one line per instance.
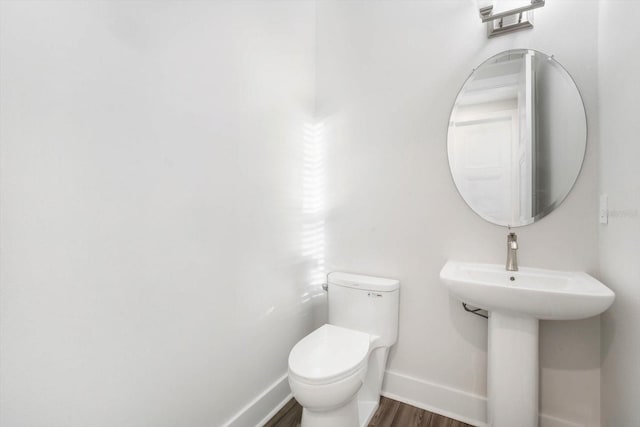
[329, 354]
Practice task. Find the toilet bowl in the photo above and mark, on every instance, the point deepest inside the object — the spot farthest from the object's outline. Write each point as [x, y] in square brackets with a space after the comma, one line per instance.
[326, 370]
[335, 372]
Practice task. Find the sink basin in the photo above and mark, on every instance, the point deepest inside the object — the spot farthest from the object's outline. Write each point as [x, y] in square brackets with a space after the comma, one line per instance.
[516, 301]
[542, 294]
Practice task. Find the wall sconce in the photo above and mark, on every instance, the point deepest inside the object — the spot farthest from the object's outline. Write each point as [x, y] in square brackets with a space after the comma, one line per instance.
[508, 21]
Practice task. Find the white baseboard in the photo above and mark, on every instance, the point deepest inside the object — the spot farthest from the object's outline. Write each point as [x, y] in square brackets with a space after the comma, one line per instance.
[450, 402]
[549, 421]
[264, 407]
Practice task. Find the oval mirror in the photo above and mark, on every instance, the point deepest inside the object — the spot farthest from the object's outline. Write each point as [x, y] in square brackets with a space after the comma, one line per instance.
[517, 137]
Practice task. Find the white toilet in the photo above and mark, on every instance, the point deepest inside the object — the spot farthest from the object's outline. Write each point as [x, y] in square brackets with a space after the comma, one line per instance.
[336, 371]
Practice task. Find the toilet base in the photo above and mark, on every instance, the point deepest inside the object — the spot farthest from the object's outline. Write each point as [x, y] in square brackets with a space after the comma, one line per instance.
[366, 411]
[354, 414]
[345, 416]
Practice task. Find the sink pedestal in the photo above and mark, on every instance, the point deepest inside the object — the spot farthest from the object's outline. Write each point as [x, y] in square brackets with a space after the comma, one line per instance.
[512, 376]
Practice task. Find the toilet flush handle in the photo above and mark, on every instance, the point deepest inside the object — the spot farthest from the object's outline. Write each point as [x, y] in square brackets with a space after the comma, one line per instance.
[325, 287]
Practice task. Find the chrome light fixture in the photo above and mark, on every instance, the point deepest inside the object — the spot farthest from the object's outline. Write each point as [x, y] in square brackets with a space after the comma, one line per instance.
[508, 21]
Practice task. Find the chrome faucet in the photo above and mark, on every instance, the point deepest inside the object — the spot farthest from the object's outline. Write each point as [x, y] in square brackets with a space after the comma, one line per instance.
[512, 254]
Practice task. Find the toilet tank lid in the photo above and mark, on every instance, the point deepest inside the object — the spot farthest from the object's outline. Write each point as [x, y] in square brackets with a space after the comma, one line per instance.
[359, 281]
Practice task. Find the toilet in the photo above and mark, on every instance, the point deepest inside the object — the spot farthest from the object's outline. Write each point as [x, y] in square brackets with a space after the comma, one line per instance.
[336, 371]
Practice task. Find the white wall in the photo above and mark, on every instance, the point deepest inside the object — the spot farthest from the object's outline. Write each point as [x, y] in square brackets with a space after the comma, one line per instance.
[152, 223]
[388, 73]
[619, 68]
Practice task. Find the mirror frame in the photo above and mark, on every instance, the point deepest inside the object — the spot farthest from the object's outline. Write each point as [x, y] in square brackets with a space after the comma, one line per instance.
[551, 207]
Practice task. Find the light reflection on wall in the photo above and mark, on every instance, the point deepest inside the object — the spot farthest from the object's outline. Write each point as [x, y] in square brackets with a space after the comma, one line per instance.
[313, 207]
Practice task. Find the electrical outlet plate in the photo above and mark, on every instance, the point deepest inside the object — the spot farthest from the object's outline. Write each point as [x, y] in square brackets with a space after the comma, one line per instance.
[604, 209]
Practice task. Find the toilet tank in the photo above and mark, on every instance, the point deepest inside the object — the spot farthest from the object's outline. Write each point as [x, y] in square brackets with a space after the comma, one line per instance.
[364, 303]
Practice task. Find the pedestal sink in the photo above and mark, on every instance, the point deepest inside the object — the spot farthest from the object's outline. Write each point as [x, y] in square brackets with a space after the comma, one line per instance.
[516, 301]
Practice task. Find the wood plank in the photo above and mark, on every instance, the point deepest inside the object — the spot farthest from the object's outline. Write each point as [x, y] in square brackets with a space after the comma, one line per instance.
[390, 413]
[292, 418]
[277, 420]
[426, 421]
[409, 416]
[456, 423]
[385, 414]
[439, 421]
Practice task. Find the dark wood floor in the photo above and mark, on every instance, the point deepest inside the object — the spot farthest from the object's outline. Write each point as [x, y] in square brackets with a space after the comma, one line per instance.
[391, 413]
